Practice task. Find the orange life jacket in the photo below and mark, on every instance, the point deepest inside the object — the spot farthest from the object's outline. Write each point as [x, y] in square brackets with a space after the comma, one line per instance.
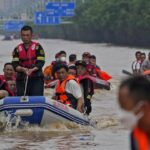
[27, 58]
[103, 75]
[140, 139]
[48, 74]
[61, 93]
[147, 72]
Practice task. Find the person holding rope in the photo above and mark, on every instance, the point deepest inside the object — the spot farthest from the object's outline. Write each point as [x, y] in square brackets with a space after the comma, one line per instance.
[28, 60]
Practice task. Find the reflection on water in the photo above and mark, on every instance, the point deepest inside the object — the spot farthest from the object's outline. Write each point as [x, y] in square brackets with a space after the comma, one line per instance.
[107, 135]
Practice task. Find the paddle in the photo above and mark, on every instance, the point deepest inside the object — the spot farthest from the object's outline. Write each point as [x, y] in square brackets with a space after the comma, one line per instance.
[127, 73]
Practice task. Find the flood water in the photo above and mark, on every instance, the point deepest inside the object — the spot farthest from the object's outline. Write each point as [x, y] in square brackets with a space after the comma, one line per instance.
[108, 133]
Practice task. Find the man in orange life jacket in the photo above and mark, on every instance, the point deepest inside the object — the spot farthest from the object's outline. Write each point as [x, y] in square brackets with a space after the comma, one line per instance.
[134, 99]
[28, 60]
[86, 84]
[68, 89]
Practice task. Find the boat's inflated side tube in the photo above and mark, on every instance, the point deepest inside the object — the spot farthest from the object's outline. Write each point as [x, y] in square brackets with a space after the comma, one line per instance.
[26, 107]
[36, 109]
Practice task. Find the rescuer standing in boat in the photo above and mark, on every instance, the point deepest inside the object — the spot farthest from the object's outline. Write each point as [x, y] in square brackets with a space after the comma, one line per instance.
[28, 60]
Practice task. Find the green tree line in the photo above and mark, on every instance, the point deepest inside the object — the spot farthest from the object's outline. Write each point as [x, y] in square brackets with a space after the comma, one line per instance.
[121, 22]
[116, 21]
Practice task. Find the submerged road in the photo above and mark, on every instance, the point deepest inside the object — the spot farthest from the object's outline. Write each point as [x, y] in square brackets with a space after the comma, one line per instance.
[108, 135]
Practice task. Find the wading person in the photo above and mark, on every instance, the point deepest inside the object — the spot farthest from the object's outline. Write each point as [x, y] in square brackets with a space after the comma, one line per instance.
[146, 64]
[136, 65]
[134, 100]
[28, 60]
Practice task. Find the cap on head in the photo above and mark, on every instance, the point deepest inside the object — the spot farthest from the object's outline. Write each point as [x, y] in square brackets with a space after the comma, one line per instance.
[93, 57]
[59, 66]
[80, 63]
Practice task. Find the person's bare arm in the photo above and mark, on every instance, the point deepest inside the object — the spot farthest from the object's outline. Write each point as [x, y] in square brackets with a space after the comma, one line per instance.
[3, 93]
[80, 105]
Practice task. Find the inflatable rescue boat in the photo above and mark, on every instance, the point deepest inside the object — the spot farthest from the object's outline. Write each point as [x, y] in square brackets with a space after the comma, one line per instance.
[40, 110]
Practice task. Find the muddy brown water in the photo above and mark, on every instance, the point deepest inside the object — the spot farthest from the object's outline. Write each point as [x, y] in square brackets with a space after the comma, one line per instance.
[108, 134]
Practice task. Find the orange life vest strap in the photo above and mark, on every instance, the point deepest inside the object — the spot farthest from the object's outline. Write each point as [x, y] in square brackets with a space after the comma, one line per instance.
[60, 90]
[141, 139]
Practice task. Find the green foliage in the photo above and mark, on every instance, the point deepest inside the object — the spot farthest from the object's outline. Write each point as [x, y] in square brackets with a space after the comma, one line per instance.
[114, 14]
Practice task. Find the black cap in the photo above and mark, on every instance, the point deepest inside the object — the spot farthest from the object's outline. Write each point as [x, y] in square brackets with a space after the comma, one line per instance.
[60, 65]
[81, 62]
[93, 56]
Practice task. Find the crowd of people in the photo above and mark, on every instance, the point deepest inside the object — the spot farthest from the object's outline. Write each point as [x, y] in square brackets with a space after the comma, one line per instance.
[91, 67]
[134, 101]
[78, 86]
[142, 63]
[77, 73]
[25, 75]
